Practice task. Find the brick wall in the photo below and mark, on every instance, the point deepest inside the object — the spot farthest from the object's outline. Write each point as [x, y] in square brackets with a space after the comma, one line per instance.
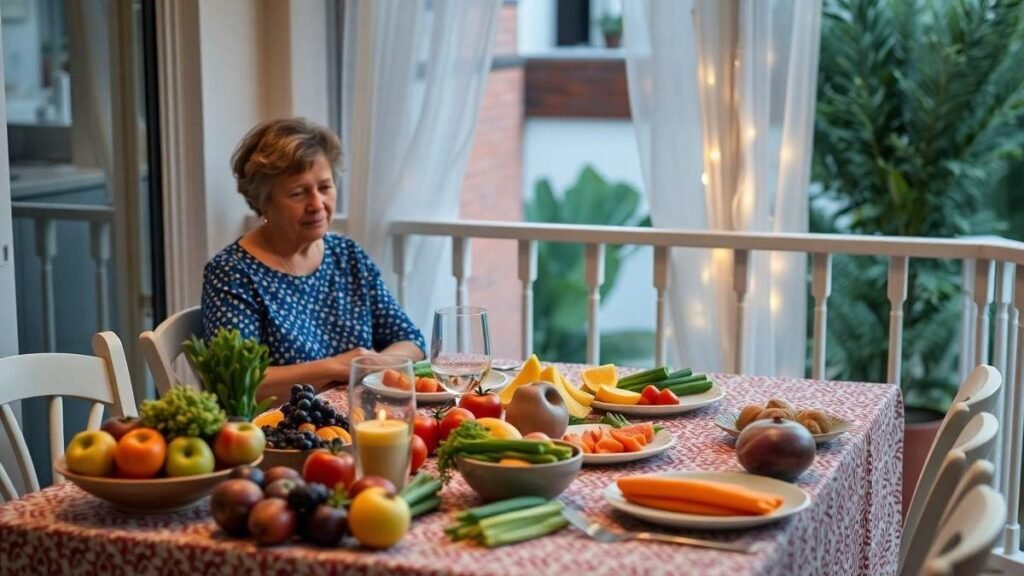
[492, 190]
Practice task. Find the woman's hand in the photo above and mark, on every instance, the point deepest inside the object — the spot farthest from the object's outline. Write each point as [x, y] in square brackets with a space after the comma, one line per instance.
[340, 366]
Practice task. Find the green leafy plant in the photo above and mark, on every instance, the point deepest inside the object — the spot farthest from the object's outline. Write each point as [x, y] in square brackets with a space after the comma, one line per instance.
[918, 111]
[560, 291]
[611, 24]
[232, 368]
[183, 411]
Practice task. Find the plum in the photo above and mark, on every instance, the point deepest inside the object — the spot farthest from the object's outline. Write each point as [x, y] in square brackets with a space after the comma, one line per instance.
[777, 448]
[231, 502]
[326, 525]
[272, 522]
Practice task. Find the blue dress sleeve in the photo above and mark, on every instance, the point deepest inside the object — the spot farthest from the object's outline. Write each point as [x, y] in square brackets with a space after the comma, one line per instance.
[228, 301]
[390, 322]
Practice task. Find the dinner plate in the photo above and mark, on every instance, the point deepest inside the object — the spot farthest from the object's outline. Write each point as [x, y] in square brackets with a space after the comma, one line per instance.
[663, 440]
[726, 421]
[493, 382]
[794, 499]
[686, 404]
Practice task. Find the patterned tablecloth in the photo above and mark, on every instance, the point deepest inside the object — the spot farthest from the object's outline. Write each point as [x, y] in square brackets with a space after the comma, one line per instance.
[852, 526]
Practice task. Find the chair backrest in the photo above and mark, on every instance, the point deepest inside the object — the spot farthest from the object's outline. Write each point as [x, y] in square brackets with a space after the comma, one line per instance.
[975, 442]
[964, 542]
[102, 378]
[980, 473]
[162, 346]
[978, 393]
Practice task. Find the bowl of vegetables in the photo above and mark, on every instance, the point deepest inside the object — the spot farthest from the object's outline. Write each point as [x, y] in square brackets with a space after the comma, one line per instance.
[512, 468]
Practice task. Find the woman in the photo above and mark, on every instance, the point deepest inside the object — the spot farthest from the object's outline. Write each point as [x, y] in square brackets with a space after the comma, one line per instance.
[313, 297]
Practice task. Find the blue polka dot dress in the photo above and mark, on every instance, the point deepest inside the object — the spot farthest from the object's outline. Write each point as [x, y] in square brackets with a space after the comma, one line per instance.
[344, 304]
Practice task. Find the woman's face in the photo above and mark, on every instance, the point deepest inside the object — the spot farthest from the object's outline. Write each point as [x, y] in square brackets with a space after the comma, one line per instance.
[301, 205]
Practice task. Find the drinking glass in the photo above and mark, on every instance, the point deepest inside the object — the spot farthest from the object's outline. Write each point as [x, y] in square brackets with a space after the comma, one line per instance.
[382, 409]
[460, 348]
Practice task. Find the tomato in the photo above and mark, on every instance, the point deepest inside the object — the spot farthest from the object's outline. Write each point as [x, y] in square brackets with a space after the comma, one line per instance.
[140, 453]
[453, 419]
[427, 385]
[649, 393]
[425, 427]
[419, 453]
[482, 404]
[667, 397]
[329, 469]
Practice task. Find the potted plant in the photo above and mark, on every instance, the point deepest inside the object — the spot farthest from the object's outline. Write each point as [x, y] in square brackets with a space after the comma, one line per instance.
[916, 120]
[232, 368]
[611, 27]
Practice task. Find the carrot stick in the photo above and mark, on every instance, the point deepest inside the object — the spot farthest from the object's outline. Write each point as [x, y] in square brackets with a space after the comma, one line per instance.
[713, 493]
[684, 506]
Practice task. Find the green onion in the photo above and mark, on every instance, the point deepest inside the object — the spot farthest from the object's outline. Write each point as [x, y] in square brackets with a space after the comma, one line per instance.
[423, 506]
[414, 494]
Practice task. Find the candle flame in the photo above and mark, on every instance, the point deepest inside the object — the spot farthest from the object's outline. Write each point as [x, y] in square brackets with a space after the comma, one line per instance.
[382, 414]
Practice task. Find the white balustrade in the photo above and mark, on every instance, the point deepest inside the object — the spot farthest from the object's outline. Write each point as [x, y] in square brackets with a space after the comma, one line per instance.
[593, 274]
[897, 296]
[821, 288]
[527, 275]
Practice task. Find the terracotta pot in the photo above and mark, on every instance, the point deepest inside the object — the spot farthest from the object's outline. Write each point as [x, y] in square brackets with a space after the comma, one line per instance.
[919, 432]
[612, 40]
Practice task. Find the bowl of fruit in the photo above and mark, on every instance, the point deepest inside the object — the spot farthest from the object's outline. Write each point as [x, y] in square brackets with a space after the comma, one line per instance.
[169, 459]
[304, 424]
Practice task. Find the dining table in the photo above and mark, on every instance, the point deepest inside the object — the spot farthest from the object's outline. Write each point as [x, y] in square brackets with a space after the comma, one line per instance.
[852, 525]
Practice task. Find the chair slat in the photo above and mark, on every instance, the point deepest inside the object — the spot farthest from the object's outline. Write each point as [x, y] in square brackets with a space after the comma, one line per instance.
[21, 454]
[161, 348]
[56, 433]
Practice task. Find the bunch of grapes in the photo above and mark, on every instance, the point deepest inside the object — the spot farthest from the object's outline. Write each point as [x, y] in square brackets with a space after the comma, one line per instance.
[290, 439]
[303, 408]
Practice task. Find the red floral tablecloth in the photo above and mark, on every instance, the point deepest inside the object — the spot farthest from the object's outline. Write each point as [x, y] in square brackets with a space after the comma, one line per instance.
[852, 526]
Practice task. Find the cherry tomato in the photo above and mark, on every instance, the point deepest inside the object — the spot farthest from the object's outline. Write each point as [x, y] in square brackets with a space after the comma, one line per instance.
[650, 393]
[452, 419]
[419, 453]
[426, 385]
[425, 427]
[482, 404]
[667, 397]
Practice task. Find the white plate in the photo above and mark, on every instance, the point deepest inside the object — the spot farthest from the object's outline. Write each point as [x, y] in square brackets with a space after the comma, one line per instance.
[794, 499]
[493, 382]
[662, 441]
[726, 421]
[686, 404]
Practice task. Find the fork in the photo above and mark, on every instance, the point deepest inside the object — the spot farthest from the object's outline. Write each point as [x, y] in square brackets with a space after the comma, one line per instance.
[602, 534]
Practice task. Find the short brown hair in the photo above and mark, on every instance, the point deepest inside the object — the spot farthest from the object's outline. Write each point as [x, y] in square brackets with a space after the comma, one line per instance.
[279, 147]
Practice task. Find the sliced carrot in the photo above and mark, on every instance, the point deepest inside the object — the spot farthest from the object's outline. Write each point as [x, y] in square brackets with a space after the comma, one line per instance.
[588, 444]
[644, 428]
[609, 444]
[684, 506]
[630, 443]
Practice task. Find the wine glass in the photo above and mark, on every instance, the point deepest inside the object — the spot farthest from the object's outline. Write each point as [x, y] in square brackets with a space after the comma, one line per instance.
[460, 348]
[382, 410]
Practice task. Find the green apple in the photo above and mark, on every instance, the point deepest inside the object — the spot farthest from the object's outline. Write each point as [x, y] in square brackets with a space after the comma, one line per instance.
[188, 456]
[91, 453]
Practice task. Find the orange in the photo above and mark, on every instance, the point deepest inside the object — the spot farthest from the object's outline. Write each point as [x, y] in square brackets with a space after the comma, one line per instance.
[140, 453]
[268, 418]
[594, 378]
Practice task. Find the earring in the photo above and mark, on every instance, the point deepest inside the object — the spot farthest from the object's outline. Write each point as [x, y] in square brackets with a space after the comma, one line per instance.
[265, 221]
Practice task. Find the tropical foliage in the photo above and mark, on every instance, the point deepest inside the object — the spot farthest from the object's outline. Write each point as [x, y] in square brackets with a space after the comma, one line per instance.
[919, 110]
[561, 294]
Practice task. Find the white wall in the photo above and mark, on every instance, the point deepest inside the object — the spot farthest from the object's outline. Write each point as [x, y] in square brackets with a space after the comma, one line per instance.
[558, 149]
[23, 63]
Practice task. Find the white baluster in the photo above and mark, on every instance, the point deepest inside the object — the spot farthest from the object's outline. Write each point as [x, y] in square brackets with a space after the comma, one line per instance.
[821, 288]
[660, 286]
[741, 285]
[593, 261]
[398, 265]
[1004, 294]
[56, 430]
[967, 317]
[897, 296]
[984, 271]
[527, 275]
[46, 249]
[1011, 532]
[460, 269]
[99, 245]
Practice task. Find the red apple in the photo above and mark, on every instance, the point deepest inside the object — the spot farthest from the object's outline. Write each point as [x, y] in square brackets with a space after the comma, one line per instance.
[368, 482]
[118, 427]
[91, 453]
[239, 443]
[231, 502]
[272, 522]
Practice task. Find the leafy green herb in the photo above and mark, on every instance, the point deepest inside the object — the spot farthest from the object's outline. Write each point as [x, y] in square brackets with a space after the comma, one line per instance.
[474, 441]
[183, 411]
[231, 367]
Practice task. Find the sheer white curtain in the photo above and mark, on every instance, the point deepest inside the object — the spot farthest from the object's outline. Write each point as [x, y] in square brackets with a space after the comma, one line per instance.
[723, 95]
[416, 72]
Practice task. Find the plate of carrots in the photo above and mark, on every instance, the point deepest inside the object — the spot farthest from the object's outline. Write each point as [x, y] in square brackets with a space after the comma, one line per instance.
[706, 500]
[605, 444]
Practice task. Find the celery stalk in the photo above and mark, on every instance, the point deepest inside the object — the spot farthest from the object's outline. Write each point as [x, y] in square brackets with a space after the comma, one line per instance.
[500, 507]
[536, 530]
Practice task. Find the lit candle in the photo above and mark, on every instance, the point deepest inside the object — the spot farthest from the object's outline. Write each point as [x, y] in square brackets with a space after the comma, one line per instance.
[383, 448]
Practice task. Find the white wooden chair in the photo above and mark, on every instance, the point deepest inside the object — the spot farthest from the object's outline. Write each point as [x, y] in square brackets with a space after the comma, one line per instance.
[977, 394]
[965, 540]
[162, 346]
[974, 444]
[102, 378]
[980, 473]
